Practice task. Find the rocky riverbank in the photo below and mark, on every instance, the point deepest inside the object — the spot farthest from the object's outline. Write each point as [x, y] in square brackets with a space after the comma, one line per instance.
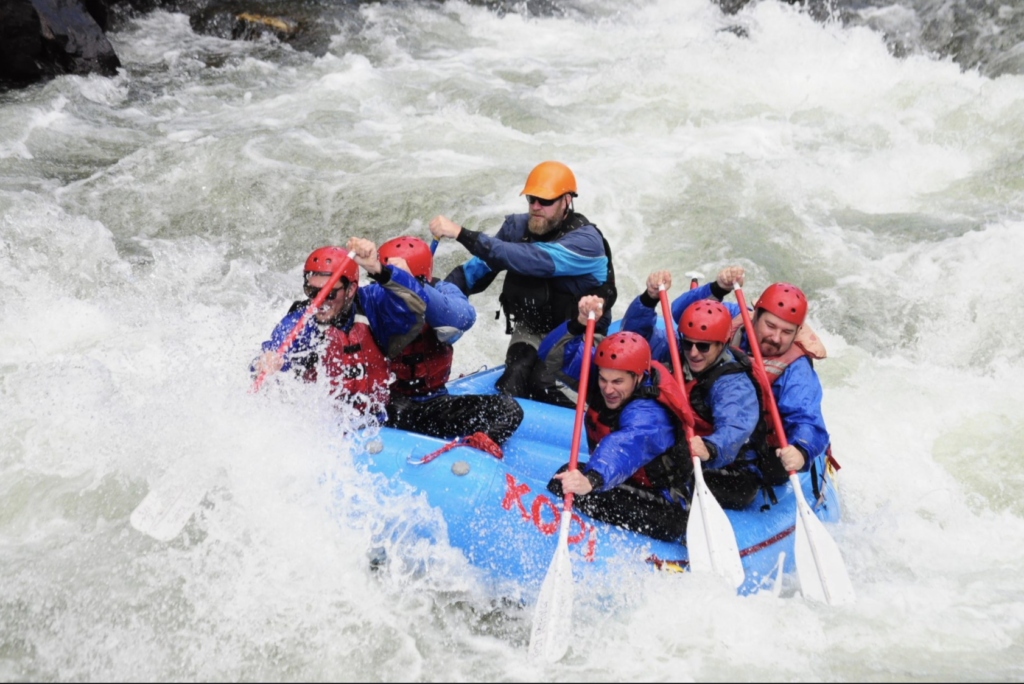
[40, 39]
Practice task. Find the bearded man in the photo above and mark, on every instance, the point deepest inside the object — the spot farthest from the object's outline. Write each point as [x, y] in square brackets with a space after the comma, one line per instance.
[553, 256]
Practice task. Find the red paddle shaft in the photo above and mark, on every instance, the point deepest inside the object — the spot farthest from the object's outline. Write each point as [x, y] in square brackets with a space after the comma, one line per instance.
[581, 400]
[677, 366]
[756, 349]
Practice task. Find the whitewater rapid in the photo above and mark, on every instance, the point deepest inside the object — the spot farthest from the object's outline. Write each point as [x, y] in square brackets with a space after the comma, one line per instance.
[152, 231]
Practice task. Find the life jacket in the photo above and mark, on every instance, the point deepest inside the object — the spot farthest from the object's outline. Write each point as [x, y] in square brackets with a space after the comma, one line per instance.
[764, 440]
[600, 422]
[423, 366]
[806, 344]
[533, 302]
[356, 368]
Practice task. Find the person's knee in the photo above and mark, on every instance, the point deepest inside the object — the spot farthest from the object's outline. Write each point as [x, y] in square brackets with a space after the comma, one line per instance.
[733, 489]
[519, 362]
[514, 412]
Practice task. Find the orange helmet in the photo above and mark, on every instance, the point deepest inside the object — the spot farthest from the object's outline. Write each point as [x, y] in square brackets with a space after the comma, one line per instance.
[785, 301]
[624, 351]
[325, 260]
[415, 252]
[550, 180]
[706, 321]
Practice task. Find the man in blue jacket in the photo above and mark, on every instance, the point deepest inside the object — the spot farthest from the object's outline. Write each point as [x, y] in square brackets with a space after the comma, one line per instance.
[420, 402]
[788, 346]
[720, 388]
[553, 256]
[352, 336]
[632, 421]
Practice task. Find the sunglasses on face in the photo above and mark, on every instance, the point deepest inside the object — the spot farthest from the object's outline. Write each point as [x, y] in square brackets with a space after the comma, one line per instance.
[530, 199]
[702, 347]
[312, 292]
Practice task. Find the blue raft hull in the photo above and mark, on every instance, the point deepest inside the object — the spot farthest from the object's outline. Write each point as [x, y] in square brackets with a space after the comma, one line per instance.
[500, 515]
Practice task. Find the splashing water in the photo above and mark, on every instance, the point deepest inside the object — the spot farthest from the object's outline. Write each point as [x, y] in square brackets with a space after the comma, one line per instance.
[152, 231]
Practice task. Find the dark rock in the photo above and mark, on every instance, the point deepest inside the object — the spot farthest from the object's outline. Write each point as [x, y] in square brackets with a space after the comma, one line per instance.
[100, 11]
[250, 26]
[76, 41]
[45, 38]
[308, 25]
[21, 43]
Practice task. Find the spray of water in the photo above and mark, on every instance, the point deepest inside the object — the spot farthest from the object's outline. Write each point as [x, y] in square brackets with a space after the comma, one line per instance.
[152, 230]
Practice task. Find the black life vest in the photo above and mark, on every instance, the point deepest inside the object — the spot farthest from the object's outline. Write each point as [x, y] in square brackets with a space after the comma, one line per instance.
[533, 303]
[762, 441]
[423, 366]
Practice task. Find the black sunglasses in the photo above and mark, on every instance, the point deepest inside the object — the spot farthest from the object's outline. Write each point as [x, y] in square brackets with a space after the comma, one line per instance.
[312, 292]
[702, 347]
[530, 199]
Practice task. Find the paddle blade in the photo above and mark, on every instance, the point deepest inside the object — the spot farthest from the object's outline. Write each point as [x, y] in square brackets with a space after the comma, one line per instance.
[167, 507]
[552, 618]
[710, 539]
[822, 572]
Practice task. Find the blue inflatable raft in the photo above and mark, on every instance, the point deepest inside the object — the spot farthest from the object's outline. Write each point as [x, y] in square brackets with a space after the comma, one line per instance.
[501, 516]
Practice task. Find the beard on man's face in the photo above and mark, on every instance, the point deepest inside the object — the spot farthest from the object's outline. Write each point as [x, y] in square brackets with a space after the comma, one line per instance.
[538, 225]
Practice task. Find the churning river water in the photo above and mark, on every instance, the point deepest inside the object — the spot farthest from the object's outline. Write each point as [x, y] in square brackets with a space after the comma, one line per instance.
[152, 231]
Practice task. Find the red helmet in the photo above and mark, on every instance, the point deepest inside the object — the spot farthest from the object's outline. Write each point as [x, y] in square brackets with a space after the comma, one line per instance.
[325, 260]
[706, 321]
[624, 351]
[785, 301]
[415, 252]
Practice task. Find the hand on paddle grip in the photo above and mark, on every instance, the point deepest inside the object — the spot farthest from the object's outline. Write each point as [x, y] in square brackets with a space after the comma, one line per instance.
[729, 277]
[591, 305]
[657, 281]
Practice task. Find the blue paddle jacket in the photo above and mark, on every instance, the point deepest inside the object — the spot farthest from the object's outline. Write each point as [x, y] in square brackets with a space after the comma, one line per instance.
[645, 429]
[393, 305]
[732, 398]
[448, 312]
[797, 391]
[573, 262]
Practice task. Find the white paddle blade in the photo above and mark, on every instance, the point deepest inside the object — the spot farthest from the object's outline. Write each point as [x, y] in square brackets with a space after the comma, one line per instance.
[710, 539]
[167, 507]
[820, 566]
[552, 618]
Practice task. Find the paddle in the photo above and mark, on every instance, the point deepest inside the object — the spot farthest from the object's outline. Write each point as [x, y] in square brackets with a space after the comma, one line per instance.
[710, 539]
[166, 509]
[549, 637]
[433, 245]
[695, 277]
[819, 564]
[310, 310]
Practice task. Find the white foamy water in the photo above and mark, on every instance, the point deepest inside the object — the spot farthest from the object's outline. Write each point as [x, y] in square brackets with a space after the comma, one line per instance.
[152, 230]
